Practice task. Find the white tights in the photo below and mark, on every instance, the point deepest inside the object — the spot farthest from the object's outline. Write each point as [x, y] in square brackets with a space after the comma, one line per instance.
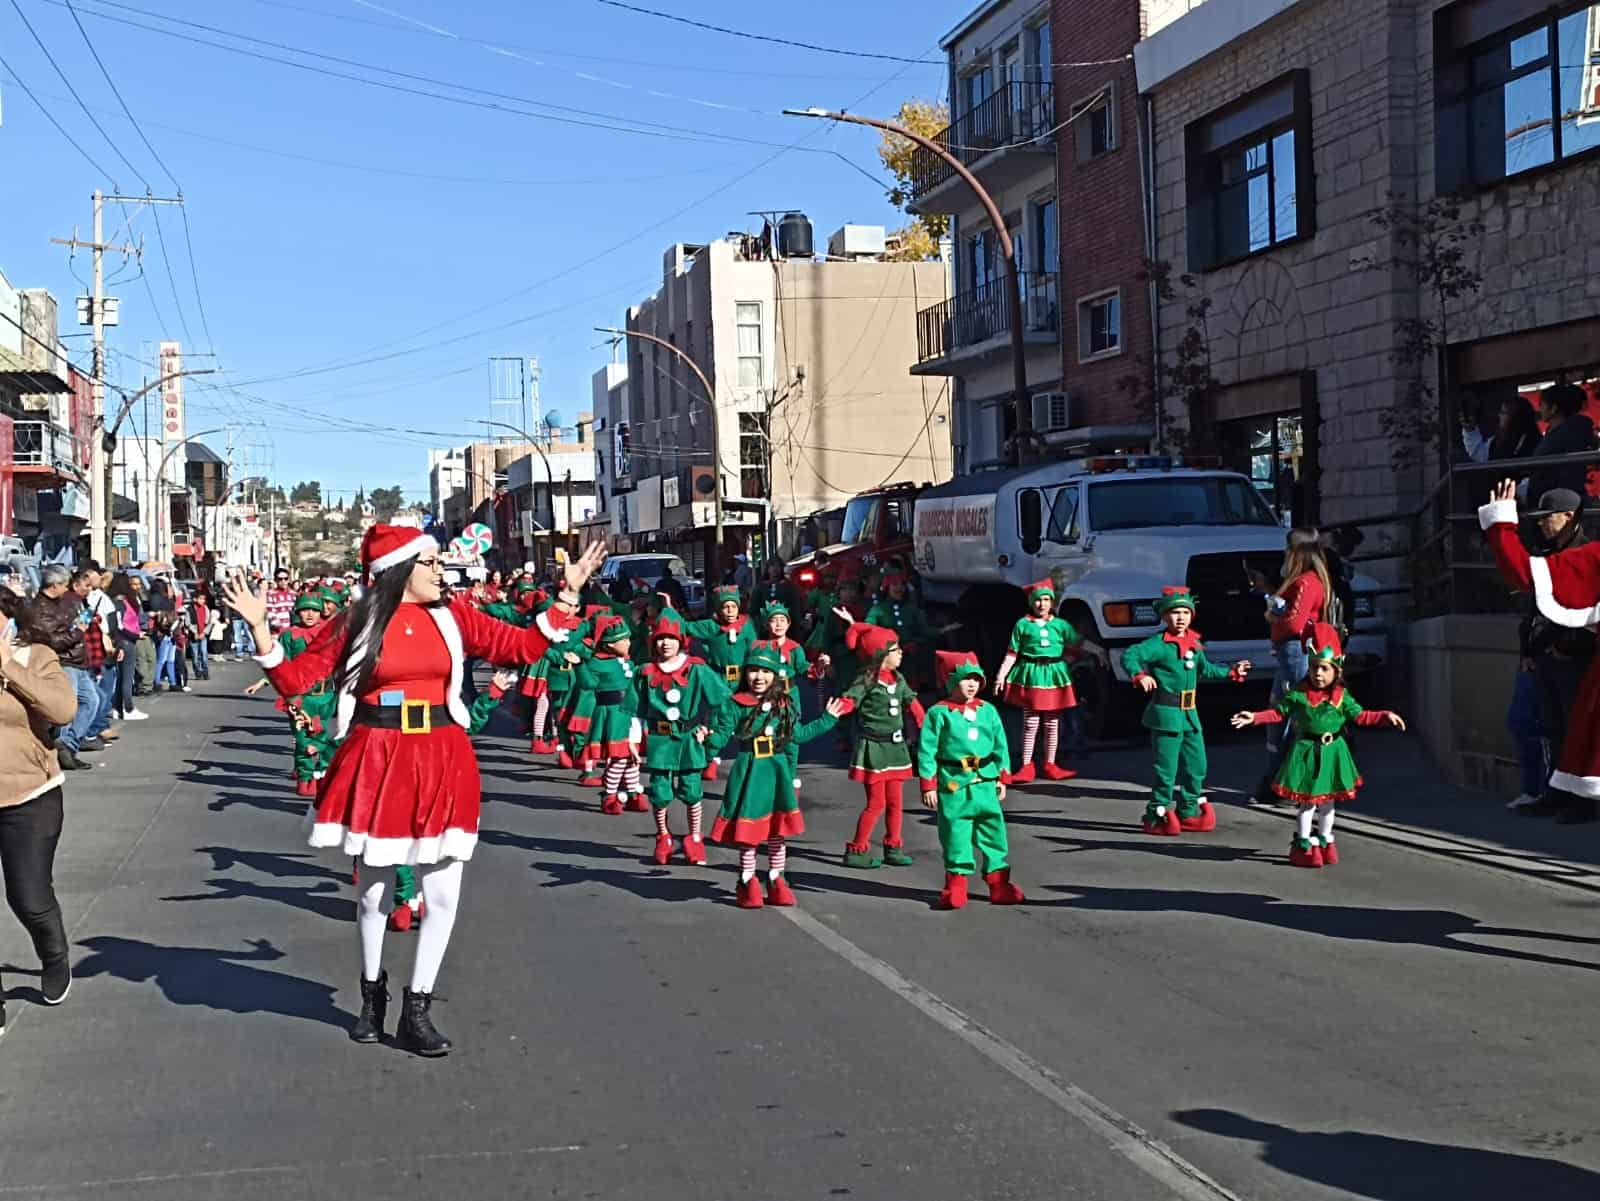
[1323, 814]
[441, 891]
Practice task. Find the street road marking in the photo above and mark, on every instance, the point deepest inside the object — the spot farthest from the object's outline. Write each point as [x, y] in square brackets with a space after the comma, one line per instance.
[1146, 1152]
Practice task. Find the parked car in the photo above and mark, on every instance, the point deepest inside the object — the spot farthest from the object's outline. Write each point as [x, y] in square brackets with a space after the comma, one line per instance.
[651, 568]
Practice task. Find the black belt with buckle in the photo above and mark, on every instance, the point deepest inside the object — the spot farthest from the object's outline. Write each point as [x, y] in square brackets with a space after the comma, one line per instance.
[1175, 700]
[898, 736]
[609, 696]
[964, 763]
[731, 673]
[762, 747]
[409, 717]
[668, 729]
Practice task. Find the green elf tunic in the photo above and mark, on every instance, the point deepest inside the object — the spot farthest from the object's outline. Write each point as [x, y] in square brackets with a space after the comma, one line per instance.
[601, 723]
[725, 645]
[1040, 678]
[795, 664]
[673, 699]
[916, 636]
[1318, 767]
[961, 755]
[761, 802]
[881, 705]
[314, 743]
[1177, 664]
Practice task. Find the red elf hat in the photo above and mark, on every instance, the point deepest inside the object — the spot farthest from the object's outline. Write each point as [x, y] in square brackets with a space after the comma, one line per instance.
[954, 666]
[386, 546]
[870, 641]
[1322, 642]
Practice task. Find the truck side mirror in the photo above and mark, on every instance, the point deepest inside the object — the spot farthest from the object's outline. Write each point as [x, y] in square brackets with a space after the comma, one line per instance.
[1030, 519]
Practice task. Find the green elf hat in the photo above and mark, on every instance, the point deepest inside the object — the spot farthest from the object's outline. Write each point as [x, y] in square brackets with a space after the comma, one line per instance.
[1175, 596]
[773, 609]
[765, 655]
[1322, 642]
[1042, 587]
[724, 594]
[610, 630]
[954, 666]
[309, 602]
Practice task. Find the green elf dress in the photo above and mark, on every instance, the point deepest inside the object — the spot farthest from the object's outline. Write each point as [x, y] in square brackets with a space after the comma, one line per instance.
[602, 722]
[676, 698]
[314, 743]
[1177, 664]
[962, 759]
[761, 805]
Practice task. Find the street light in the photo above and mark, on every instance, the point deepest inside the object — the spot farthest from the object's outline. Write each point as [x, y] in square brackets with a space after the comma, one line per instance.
[1022, 402]
[550, 479]
[713, 572]
[159, 483]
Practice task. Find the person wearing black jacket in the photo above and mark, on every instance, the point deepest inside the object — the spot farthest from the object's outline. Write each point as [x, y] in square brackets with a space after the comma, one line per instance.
[1567, 431]
[60, 619]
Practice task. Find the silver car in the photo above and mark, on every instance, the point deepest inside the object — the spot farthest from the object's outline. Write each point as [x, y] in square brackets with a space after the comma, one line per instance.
[650, 569]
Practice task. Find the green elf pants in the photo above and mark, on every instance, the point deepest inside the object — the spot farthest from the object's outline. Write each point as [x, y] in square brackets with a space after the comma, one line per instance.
[972, 814]
[1180, 757]
[669, 786]
[405, 884]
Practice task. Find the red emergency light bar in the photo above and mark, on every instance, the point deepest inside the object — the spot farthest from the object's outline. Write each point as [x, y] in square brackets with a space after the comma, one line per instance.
[1131, 463]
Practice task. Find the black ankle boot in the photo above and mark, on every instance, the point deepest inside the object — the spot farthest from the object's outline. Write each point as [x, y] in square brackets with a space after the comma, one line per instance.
[416, 1033]
[374, 1008]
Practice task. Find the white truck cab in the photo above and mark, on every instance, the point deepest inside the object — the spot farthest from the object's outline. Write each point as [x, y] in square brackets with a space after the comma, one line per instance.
[1113, 531]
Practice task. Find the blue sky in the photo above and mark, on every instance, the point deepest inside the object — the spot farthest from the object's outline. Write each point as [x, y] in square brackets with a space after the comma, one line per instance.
[504, 234]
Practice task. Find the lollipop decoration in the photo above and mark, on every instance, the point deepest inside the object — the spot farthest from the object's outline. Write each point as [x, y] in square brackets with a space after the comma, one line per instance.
[479, 538]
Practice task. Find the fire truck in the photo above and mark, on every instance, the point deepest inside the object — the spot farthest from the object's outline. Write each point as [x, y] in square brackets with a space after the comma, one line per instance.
[877, 526]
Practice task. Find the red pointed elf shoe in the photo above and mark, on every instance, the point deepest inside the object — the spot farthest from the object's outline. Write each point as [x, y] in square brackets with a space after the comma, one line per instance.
[589, 780]
[1001, 890]
[1305, 854]
[663, 851]
[564, 759]
[542, 746]
[1165, 822]
[694, 850]
[778, 891]
[1330, 853]
[400, 919]
[637, 803]
[1023, 775]
[421, 910]
[611, 806]
[750, 894]
[1205, 820]
[1052, 772]
[306, 788]
[954, 893]
[710, 772]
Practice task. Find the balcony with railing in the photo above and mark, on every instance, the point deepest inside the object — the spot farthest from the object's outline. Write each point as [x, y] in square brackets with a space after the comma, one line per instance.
[1001, 138]
[975, 324]
[42, 449]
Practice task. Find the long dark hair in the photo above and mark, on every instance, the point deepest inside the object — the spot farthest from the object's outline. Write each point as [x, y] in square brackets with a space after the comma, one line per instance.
[121, 589]
[753, 721]
[366, 620]
[1522, 429]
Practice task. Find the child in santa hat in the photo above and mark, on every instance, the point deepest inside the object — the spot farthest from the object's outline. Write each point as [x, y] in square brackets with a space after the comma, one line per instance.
[881, 699]
[602, 722]
[1318, 771]
[1035, 677]
[761, 806]
[961, 759]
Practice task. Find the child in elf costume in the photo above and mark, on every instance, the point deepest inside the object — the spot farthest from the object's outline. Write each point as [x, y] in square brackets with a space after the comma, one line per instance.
[776, 621]
[961, 759]
[1035, 677]
[881, 700]
[760, 806]
[727, 639]
[1317, 771]
[678, 699]
[548, 684]
[313, 713]
[602, 721]
[408, 907]
[582, 648]
[1169, 667]
[895, 610]
[827, 640]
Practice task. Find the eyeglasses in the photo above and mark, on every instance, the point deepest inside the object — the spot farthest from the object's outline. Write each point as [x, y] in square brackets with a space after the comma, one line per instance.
[434, 564]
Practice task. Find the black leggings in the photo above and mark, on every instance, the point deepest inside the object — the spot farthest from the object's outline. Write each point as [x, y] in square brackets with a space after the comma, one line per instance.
[29, 833]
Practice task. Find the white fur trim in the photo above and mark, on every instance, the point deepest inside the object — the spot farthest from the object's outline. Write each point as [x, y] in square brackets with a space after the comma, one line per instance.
[451, 633]
[671, 665]
[454, 843]
[1544, 596]
[1497, 512]
[399, 555]
[272, 658]
[1584, 786]
[556, 636]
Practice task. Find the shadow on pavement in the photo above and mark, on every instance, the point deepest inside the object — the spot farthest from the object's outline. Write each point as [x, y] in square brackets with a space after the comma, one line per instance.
[325, 898]
[1194, 850]
[1384, 1168]
[278, 803]
[541, 845]
[272, 863]
[1400, 927]
[658, 884]
[213, 978]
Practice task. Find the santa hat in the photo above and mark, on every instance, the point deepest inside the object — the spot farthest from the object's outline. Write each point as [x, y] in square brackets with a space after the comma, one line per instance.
[954, 666]
[1175, 596]
[1322, 642]
[1042, 587]
[386, 546]
[870, 641]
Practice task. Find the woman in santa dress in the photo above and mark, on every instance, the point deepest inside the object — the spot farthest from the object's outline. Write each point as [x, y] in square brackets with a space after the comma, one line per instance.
[403, 788]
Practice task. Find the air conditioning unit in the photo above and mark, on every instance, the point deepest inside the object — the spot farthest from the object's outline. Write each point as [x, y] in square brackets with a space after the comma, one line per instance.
[1051, 412]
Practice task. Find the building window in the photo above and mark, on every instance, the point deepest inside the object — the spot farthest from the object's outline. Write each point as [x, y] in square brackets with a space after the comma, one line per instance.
[753, 456]
[1250, 184]
[1521, 98]
[977, 87]
[1040, 56]
[1094, 124]
[1100, 326]
[1046, 237]
[747, 316]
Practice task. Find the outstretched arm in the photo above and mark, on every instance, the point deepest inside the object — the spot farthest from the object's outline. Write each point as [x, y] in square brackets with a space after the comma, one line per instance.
[1499, 521]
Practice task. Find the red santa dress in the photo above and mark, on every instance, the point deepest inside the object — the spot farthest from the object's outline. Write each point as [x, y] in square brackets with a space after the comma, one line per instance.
[1566, 589]
[390, 796]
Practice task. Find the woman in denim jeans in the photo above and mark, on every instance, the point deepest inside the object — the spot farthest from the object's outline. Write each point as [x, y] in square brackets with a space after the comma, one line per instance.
[1300, 600]
[126, 632]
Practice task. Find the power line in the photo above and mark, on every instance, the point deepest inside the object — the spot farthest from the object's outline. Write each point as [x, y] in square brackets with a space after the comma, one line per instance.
[115, 91]
[50, 117]
[761, 37]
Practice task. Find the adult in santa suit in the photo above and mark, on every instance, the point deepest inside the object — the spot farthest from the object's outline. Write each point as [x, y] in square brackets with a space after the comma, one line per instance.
[1566, 590]
[403, 788]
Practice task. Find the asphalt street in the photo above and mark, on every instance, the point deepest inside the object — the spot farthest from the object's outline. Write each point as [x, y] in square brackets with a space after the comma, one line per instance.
[1184, 1018]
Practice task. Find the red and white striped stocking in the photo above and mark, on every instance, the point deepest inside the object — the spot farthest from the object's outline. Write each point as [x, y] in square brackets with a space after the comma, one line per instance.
[1030, 734]
[660, 812]
[697, 812]
[1052, 737]
[616, 774]
[541, 715]
[777, 856]
[747, 864]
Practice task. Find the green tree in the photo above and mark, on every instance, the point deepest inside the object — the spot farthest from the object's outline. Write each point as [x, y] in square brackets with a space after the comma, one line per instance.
[306, 491]
[920, 239]
[386, 502]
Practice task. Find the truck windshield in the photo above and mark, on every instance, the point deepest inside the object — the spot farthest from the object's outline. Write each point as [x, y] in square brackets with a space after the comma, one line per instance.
[1205, 500]
[860, 519]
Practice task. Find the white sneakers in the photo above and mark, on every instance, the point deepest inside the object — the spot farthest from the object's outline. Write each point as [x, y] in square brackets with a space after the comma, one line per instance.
[135, 715]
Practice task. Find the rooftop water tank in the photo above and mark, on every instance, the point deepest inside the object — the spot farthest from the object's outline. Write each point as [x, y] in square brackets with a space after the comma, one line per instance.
[794, 236]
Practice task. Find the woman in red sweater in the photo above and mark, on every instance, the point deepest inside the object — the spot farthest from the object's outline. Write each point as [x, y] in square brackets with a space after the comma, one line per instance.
[1300, 602]
[403, 787]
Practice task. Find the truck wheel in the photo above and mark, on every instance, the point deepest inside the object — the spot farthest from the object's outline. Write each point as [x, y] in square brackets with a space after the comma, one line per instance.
[1103, 710]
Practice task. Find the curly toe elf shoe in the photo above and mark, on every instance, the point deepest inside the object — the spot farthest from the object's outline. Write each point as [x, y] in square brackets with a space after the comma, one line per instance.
[1053, 772]
[1001, 890]
[863, 858]
[1305, 853]
[1023, 774]
[694, 850]
[954, 893]
[894, 855]
[1330, 853]
[589, 780]
[778, 891]
[611, 805]
[306, 788]
[1159, 819]
[663, 851]
[400, 919]
[710, 772]
[750, 894]
[1202, 819]
[637, 803]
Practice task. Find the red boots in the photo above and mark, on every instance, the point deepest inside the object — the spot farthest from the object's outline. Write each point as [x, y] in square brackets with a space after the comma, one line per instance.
[637, 803]
[749, 894]
[694, 850]
[1306, 854]
[1001, 890]
[1023, 774]
[1161, 820]
[1330, 853]
[306, 788]
[778, 891]
[710, 772]
[1205, 820]
[954, 894]
[611, 805]
[663, 851]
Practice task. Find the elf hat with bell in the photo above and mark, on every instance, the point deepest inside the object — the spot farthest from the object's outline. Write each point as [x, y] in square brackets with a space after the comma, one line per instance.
[1175, 596]
[1322, 642]
[954, 666]
[869, 641]
[386, 546]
